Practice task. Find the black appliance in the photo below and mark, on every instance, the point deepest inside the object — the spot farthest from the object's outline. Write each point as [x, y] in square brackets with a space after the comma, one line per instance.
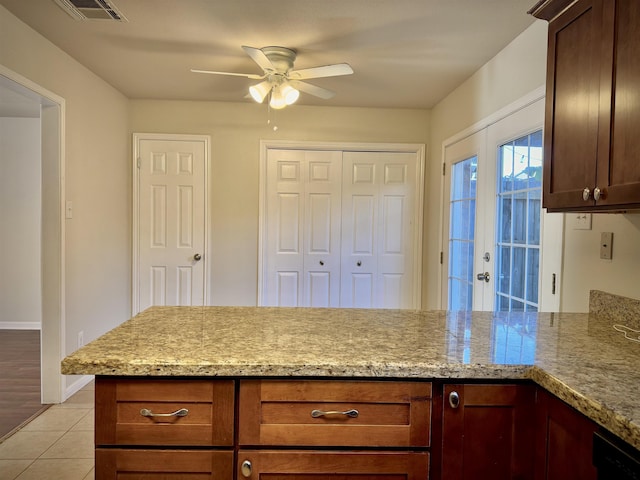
[615, 459]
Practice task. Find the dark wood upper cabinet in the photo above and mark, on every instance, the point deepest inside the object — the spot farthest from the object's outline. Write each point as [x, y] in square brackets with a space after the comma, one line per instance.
[592, 125]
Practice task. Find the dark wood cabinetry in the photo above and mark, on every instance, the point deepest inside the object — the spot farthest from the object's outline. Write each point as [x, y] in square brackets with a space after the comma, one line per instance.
[564, 441]
[315, 428]
[392, 419]
[592, 146]
[487, 431]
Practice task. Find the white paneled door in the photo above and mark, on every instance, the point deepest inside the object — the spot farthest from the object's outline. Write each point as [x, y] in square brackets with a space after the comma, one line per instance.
[338, 228]
[303, 232]
[170, 215]
[378, 198]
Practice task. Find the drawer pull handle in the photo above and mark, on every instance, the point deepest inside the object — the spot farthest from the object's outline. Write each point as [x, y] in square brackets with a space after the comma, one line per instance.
[183, 412]
[348, 413]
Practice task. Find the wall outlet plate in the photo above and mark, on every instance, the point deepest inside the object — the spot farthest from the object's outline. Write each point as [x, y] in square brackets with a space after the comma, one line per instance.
[606, 245]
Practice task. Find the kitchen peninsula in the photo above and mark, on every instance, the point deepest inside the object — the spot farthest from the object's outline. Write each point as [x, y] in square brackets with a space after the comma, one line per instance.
[257, 358]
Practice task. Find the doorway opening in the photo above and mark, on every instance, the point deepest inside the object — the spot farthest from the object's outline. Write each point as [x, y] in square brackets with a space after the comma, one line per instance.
[16, 93]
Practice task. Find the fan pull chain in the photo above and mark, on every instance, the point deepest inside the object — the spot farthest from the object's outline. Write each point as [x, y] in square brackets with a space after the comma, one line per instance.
[275, 127]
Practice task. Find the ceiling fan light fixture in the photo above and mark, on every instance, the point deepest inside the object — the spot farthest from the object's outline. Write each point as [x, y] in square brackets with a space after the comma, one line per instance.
[278, 100]
[290, 94]
[260, 91]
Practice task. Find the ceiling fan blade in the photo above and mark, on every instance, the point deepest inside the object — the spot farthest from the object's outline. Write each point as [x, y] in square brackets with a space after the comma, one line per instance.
[324, 71]
[260, 58]
[247, 75]
[312, 89]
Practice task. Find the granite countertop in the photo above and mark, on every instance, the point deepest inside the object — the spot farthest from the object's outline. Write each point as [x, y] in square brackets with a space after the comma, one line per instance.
[580, 358]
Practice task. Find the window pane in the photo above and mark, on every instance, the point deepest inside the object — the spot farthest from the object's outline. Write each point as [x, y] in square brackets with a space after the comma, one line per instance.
[517, 306]
[504, 263]
[519, 218]
[533, 221]
[504, 214]
[506, 168]
[518, 273]
[533, 262]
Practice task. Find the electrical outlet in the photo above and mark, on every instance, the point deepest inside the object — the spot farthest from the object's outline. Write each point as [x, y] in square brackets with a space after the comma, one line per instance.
[606, 245]
[80, 339]
[581, 221]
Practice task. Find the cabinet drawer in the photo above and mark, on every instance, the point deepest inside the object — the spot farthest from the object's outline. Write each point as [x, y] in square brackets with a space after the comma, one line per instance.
[305, 465]
[120, 404]
[283, 412]
[119, 463]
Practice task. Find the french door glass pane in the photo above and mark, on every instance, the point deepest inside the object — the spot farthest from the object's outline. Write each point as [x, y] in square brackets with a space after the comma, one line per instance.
[462, 210]
[518, 238]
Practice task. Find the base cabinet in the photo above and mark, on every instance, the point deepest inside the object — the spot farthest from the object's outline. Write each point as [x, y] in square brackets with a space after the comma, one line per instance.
[564, 441]
[315, 465]
[487, 432]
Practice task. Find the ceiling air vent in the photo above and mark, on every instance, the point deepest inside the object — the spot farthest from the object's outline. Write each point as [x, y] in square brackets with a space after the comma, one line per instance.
[91, 10]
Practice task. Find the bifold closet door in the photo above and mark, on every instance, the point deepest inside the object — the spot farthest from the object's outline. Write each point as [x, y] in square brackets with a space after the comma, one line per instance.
[303, 228]
[378, 203]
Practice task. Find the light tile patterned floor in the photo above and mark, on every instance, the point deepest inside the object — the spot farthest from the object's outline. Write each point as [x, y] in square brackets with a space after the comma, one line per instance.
[57, 445]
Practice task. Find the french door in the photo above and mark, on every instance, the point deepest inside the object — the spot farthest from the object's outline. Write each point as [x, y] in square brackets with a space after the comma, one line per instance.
[501, 251]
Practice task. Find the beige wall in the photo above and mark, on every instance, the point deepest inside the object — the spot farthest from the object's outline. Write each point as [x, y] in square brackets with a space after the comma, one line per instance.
[20, 211]
[514, 72]
[97, 179]
[236, 130]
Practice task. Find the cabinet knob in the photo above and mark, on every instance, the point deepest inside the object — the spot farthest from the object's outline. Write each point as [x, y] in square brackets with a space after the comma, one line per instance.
[246, 469]
[586, 194]
[598, 194]
[321, 263]
[454, 399]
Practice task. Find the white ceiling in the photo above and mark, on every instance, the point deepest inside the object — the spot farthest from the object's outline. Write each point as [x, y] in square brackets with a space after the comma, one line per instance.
[405, 53]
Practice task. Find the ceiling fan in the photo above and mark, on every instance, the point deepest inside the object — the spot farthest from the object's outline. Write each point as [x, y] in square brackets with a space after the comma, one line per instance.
[280, 82]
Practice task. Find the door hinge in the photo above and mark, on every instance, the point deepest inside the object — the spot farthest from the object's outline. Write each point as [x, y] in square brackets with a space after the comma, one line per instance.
[441, 258]
[444, 169]
[553, 284]
[138, 162]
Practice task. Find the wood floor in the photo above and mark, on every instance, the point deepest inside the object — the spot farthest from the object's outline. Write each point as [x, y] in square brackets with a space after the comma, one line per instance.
[19, 378]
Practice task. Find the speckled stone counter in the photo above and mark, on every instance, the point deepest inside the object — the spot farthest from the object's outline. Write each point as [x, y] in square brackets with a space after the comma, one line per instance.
[578, 357]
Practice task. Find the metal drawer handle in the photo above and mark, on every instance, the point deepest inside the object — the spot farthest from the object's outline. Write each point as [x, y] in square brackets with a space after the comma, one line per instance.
[349, 413]
[183, 412]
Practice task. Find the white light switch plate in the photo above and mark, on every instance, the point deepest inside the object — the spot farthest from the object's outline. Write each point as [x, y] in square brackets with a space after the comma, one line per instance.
[581, 221]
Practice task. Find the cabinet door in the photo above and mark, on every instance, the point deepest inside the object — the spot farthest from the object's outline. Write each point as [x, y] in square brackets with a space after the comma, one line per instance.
[619, 143]
[487, 431]
[572, 105]
[315, 465]
[564, 441]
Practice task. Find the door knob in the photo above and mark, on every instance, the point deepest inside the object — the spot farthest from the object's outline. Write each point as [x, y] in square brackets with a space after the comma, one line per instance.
[197, 257]
[484, 276]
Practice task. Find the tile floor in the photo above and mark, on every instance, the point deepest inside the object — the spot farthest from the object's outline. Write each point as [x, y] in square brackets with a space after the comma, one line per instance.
[56, 445]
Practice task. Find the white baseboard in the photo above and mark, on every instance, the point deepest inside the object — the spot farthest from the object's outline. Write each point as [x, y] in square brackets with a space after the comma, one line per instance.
[20, 325]
[77, 385]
